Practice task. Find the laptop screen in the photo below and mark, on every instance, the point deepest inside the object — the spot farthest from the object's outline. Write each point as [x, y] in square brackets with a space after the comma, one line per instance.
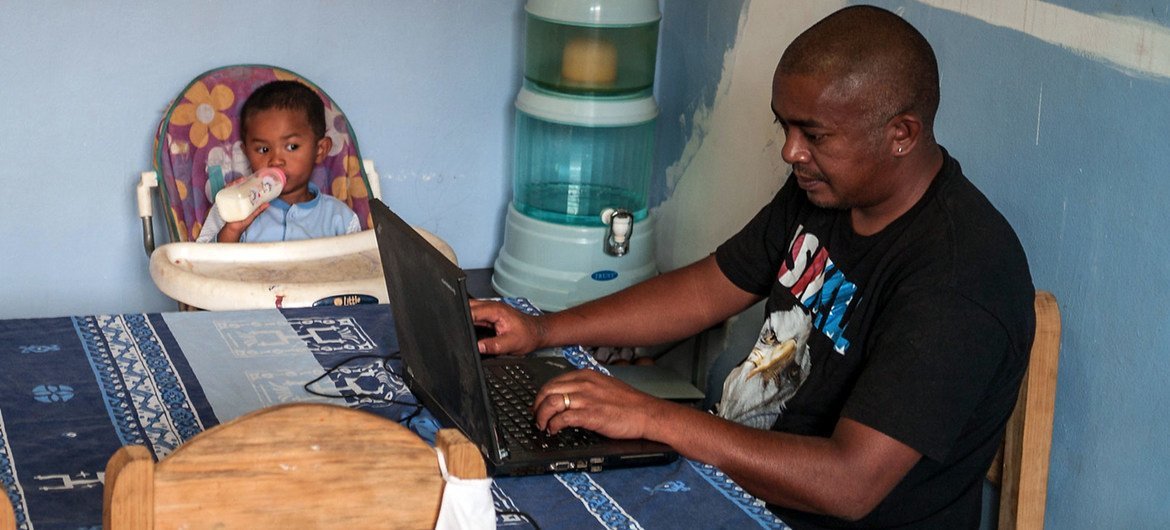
[428, 297]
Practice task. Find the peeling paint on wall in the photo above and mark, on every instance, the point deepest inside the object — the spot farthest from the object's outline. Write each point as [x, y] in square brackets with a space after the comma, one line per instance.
[731, 166]
[1134, 46]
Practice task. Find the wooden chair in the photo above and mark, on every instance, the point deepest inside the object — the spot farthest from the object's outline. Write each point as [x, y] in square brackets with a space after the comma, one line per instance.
[289, 466]
[7, 516]
[1021, 468]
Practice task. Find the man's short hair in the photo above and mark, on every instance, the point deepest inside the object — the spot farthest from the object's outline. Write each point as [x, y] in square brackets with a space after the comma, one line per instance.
[286, 95]
[872, 54]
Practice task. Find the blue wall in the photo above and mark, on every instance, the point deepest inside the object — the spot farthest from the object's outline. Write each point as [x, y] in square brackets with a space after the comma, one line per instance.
[428, 87]
[1075, 153]
[694, 36]
[1072, 150]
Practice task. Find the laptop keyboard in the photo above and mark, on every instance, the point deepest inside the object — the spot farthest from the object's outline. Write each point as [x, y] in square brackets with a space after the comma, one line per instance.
[512, 391]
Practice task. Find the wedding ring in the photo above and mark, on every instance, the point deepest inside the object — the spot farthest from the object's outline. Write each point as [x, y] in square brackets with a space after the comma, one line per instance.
[568, 402]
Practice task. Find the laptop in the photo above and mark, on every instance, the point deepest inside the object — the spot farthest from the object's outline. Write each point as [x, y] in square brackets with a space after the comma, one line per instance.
[485, 397]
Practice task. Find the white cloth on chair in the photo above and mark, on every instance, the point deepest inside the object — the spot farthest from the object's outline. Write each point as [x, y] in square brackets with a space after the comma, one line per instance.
[467, 503]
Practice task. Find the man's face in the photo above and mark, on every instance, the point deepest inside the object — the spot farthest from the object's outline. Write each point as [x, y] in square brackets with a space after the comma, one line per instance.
[835, 150]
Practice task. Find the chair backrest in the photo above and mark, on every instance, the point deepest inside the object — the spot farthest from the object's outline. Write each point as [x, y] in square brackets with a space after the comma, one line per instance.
[1021, 469]
[289, 466]
[198, 149]
[7, 516]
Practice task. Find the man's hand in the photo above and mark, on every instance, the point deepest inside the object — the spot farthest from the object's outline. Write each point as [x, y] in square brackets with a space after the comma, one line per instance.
[595, 401]
[516, 332]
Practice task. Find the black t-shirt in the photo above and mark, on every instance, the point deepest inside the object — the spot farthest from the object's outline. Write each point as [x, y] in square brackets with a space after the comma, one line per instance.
[921, 331]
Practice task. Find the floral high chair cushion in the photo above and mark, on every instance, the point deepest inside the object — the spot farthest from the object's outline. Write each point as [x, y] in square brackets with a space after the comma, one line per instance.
[198, 149]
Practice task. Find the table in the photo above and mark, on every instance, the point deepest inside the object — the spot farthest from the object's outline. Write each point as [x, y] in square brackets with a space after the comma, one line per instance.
[74, 389]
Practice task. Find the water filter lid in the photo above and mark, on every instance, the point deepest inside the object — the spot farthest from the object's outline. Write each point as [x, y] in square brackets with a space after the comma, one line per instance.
[596, 12]
[589, 112]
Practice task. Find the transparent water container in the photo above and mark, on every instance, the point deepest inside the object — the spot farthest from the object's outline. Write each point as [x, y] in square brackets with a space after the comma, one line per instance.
[576, 156]
[598, 47]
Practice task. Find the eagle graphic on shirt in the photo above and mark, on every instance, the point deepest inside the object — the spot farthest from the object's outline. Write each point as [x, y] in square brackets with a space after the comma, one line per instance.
[756, 391]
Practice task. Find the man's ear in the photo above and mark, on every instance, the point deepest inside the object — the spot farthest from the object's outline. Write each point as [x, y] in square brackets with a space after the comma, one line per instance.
[323, 147]
[905, 130]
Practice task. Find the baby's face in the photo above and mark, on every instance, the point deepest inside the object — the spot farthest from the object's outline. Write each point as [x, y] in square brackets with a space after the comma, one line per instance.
[282, 138]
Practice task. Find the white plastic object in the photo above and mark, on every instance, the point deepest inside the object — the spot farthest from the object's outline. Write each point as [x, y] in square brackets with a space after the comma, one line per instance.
[619, 225]
[230, 276]
[238, 201]
[596, 12]
[373, 179]
[147, 181]
[590, 112]
[556, 266]
[621, 228]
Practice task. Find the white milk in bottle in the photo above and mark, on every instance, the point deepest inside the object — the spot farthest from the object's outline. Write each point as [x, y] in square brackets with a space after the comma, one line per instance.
[238, 201]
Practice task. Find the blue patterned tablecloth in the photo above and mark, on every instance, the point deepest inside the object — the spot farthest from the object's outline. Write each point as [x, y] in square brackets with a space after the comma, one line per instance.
[74, 389]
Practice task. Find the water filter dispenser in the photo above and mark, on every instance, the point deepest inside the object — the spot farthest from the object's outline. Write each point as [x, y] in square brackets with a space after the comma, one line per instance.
[579, 226]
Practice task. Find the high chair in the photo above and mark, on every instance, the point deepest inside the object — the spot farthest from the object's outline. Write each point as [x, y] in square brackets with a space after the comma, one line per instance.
[198, 152]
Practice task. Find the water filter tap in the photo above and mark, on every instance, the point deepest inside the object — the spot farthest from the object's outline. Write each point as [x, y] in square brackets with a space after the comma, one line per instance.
[621, 226]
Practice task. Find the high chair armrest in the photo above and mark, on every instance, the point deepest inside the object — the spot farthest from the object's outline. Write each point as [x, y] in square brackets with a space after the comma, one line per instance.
[147, 181]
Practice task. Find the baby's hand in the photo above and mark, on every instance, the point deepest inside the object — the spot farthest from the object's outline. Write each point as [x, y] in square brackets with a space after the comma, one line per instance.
[231, 232]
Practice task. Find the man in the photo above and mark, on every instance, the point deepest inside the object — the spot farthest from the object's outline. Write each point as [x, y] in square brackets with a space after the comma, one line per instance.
[899, 314]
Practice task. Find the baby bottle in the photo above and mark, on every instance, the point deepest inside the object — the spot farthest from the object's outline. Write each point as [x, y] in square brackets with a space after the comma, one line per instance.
[238, 201]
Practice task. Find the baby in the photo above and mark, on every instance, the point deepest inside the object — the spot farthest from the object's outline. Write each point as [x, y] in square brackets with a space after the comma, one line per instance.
[282, 125]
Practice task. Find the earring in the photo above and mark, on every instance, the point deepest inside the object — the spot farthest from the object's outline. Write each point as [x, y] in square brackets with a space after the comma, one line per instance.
[899, 150]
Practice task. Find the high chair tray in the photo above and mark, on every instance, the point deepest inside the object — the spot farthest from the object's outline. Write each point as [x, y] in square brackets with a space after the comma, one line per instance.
[229, 276]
